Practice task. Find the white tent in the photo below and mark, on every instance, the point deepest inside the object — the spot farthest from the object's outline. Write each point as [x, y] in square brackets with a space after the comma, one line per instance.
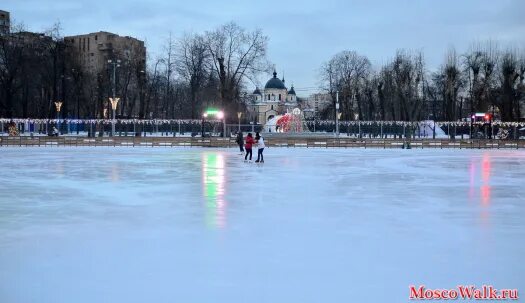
[427, 128]
[271, 125]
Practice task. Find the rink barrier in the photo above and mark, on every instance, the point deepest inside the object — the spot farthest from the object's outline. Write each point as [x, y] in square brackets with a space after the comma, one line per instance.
[285, 142]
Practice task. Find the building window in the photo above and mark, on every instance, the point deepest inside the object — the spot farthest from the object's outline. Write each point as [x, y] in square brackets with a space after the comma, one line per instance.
[279, 97]
[88, 44]
[96, 37]
[268, 96]
[272, 107]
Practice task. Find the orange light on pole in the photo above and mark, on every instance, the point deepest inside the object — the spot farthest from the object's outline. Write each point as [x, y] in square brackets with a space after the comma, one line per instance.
[58, 106]
[114, 103]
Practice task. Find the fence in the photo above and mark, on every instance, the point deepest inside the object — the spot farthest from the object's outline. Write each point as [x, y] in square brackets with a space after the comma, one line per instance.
[139, 128]
[172, 128]
[277, 141]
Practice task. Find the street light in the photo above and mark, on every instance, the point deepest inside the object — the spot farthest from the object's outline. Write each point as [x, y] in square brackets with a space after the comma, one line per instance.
[114, 103]
[220, 116]
[204, 116]
[114, 100]
[58, 106]
[339, 119]
[337, 114]
[239, 115]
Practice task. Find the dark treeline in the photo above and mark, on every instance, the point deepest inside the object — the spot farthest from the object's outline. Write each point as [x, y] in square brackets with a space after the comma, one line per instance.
[214, 68]
[483, 79]
[192, 72]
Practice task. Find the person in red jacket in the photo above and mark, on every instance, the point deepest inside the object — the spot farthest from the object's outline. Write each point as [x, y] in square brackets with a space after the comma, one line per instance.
[248, 146]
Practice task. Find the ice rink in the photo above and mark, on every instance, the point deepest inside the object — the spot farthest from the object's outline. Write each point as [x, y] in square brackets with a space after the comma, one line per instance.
[159, 225]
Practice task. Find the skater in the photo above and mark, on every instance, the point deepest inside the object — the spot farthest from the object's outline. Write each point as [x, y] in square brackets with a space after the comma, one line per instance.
[248, 146]
[240, 142]
[260, 148]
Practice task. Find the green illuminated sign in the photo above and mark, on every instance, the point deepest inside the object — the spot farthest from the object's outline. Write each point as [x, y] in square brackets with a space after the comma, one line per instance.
[212, 111]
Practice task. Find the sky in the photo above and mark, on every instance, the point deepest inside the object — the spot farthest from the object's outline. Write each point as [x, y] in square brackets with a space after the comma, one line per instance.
[303, 34]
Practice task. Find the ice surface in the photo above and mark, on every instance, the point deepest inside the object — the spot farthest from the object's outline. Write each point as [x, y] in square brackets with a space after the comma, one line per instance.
[159, 225]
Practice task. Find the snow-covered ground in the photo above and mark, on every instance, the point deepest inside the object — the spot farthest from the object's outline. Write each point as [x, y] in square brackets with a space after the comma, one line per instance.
[159, 225]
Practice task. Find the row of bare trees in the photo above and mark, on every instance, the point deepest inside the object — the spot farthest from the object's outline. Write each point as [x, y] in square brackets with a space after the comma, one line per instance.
[483, 79]
[30, 66]
[208, 69]
[193, 72]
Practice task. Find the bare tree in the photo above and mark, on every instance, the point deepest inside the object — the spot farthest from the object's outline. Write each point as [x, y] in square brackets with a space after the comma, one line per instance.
[347, 73]
[511, 70]
[169, 64]
[473, 62]
[12, 49]
[237, 55]
[192, 66]
[453, 83]
[408, 73]
[490, 61]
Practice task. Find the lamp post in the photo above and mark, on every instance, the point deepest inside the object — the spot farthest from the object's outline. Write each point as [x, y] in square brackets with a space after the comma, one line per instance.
[220, 115]
[239, 115]
[339, 119]
[114, 103]
[114, 64]
[58, 106]
[491, 117]
[337, 114]
[204, 116]
[472, 117]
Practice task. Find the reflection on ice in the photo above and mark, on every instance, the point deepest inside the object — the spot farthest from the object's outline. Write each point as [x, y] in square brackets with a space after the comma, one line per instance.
[479, 173]
[485, 188]
[214, 188]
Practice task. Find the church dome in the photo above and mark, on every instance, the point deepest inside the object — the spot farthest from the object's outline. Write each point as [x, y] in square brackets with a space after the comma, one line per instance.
[275, 83]
[257, 91]
[291, 91]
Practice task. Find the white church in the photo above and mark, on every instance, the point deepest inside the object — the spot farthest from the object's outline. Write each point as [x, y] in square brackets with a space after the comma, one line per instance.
[275, 99]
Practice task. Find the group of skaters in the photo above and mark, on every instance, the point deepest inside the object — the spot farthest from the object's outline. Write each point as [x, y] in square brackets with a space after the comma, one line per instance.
[248, 143]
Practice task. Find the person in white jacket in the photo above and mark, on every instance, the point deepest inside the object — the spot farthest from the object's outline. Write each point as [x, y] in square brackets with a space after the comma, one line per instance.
[260, 148]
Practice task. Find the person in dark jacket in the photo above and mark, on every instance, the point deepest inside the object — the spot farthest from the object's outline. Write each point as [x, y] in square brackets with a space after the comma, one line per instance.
[240, 142]
[248, 146]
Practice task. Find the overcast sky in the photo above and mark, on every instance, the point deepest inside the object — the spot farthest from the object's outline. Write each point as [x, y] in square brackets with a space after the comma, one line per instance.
[303, 34]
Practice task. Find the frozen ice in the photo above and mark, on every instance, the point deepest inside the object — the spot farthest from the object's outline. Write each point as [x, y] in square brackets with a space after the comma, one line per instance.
[189, 225]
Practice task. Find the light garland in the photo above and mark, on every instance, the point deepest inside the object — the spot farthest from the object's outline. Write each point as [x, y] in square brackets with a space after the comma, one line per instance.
[110, 121]
[309, 122]
[408, 123]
